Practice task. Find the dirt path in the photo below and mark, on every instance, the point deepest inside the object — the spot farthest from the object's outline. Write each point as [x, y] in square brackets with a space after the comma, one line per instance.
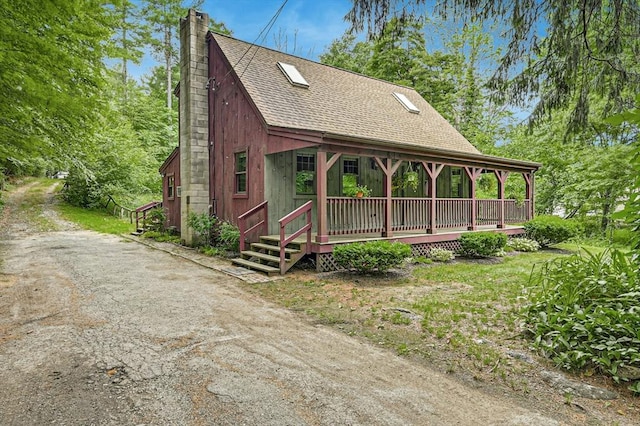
[95, 329]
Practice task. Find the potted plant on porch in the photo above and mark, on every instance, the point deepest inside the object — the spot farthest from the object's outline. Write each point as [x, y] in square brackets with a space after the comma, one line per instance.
[358, 191]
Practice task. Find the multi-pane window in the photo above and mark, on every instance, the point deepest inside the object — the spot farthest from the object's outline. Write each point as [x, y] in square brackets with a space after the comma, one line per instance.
[305, 173]
[349, 175]
[171, 183]
[456, 182]
[241, 172]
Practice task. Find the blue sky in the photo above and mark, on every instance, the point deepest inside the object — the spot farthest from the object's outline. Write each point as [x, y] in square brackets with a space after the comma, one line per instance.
[315, 24]
[308, 26]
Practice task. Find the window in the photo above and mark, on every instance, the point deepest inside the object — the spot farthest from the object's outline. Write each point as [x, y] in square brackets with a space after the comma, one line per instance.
[305, 173]
[350, 171]
[293, 75]
[241, 172]
[406, 103]
[171, 184]
[456, 182]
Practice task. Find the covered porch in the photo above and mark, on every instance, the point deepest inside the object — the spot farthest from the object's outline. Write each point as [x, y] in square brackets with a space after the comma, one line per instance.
[394, 213]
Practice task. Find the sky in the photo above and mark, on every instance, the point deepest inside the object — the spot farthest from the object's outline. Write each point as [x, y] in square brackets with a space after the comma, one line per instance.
[313, 24]
[307, 26]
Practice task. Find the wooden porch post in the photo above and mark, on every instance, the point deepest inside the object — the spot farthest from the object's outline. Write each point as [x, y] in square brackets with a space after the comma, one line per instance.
[433, 170]
[388, 168]
[501, 175]
[528, 179]
[473, 173]
[322, 235]
[321, 190]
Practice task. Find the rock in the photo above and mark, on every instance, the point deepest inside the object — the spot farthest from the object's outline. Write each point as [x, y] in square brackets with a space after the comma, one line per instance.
[521, 356]
[558, 381]
[629, 372]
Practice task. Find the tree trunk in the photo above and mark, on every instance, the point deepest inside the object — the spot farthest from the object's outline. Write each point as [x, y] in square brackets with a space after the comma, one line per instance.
[167, 59]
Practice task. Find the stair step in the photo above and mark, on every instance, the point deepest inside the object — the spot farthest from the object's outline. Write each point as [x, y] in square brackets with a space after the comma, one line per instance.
[263, 256]
[257, 266]
[273, 248]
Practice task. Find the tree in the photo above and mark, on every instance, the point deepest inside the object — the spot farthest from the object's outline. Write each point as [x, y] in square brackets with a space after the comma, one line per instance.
[51, 68]
[130, 35]
[450, 80]
[581, 47]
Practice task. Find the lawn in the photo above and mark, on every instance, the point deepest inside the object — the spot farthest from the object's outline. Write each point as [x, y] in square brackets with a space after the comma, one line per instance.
[461, 316]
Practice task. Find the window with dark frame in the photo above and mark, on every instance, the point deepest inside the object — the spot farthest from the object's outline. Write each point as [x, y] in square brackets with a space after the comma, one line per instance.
[456, 182]
[241, 172]
[305, 173]
[171, 182]
[350, 176]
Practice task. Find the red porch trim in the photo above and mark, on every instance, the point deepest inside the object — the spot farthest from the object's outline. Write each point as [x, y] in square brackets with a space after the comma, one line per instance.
[433, 170]
[502, 176]
[473, 173]
[388, 168]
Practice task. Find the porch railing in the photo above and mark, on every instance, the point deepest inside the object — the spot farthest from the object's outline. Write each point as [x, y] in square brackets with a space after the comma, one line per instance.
[244, 218]
[142, 210]
[284, 240]
[515, 212]
[453, 212]
[488, 212]
[411, 214]
[347, 215]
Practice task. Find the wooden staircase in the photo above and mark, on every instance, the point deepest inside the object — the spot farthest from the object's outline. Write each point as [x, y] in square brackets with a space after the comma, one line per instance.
[265, 255]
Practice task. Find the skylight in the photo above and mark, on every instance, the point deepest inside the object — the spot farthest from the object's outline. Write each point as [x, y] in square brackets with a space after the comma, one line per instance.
[406, 103]
[293, 75]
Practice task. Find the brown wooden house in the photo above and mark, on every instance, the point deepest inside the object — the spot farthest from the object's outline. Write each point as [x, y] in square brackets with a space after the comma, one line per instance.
[279, 145]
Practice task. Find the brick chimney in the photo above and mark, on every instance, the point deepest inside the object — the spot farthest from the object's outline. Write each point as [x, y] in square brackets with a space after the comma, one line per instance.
[194, 152]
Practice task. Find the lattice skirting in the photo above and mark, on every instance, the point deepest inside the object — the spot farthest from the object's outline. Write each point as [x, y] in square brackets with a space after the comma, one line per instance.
[326, 263]
[423, 249]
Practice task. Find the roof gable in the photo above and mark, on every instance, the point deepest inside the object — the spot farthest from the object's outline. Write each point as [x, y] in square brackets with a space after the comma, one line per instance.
[337, 102]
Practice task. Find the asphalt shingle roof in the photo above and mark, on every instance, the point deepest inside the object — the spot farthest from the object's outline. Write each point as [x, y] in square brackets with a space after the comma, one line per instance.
[337, 102]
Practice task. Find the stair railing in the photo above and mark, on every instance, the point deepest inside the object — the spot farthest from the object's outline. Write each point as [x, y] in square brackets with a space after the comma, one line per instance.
[305, 208]
[144, 209]
[242, 222]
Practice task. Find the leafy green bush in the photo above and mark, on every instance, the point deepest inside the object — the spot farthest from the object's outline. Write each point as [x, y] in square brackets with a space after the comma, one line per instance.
[371, 256]
[155, 220]
[441, 255]
[482, 244]
[204, 226]
[523, 244]
[583, 312]
[228, 237]
[161, 237]
[549, 230]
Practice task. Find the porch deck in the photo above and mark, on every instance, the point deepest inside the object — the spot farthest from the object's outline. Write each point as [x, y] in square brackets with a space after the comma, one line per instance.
[409, 237]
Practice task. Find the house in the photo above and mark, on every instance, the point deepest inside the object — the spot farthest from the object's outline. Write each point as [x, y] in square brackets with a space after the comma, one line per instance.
[279, 145]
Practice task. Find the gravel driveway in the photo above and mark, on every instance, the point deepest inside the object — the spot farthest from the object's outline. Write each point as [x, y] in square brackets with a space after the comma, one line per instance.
[96, 329]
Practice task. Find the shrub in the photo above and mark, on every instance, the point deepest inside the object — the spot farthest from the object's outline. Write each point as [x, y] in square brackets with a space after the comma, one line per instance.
[549, 230]
[523, 244]
[482, 244]
[161, 237]
[155, 220]
[228, 237]
[204, 227]
[441, 255]
[371, 256]
[583, 312]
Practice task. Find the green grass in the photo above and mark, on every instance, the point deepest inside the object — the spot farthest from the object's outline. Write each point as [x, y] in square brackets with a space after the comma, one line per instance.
[461, 315]
[95, 220]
